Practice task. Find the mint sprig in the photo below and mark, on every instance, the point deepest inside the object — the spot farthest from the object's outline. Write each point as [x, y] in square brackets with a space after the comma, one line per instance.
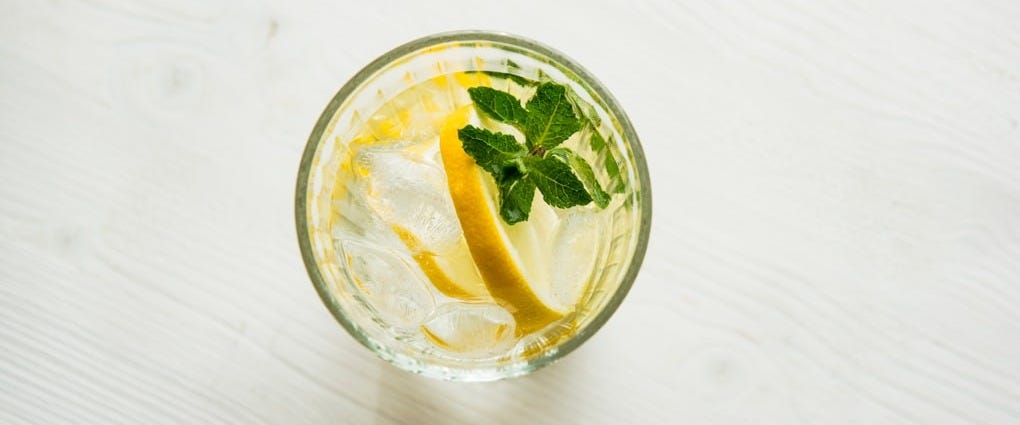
[548, 119]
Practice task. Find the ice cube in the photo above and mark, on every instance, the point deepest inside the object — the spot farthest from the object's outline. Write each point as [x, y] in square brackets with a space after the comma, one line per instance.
[387, 283]
[356, 219]
[474, 329]
[409, 191]
[575, 249]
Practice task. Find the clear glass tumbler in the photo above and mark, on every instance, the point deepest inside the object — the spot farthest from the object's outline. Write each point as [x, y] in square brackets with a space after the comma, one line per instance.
[338, 260]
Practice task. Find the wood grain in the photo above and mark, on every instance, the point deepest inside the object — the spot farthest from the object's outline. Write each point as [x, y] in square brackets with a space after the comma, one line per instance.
[836, 235]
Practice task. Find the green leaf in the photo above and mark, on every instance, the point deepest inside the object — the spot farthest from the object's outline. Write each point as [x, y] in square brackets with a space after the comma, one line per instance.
[585, 173]
[597, 142]
[557, 182]
[515, 197]
[499, 105]
[600, 146]
[551, 118]
[586, 110]
[492, 151]
[613, 169]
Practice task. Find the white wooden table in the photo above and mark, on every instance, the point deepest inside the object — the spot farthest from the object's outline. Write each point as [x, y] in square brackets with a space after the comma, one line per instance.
[836, 235]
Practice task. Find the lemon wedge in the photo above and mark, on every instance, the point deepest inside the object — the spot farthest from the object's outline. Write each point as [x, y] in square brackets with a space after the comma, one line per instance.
[453, 273]
[490, 247]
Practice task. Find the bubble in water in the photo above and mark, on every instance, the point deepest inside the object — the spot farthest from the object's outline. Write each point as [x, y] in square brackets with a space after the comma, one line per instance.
[410, 193]
[471, 328]
[574, 251]
[388, 284]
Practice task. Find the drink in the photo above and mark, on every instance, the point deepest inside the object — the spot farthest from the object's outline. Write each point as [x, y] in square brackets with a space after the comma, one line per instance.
[409, 239]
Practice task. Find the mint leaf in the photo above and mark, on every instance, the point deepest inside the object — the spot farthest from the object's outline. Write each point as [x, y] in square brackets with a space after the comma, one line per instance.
[591, 119]
[599, 145]
[597, 142]
[515, 196]
[550, 119]
[499, 105]
[492, 151]
[557, 182]
[615, 181]
[584, 172]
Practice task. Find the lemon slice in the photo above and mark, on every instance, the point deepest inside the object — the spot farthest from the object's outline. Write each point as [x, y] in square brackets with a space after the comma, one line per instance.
[490, 247]
[453, 273]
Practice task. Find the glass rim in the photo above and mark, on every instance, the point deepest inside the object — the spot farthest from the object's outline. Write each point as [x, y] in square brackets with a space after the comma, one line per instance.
[585, 78]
